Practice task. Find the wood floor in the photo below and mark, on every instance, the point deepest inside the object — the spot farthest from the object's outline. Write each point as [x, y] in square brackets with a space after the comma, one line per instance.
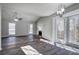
[11, 46]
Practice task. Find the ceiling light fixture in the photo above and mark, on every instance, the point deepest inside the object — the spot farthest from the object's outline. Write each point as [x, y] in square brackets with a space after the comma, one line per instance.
[16, 18]
[61, 10]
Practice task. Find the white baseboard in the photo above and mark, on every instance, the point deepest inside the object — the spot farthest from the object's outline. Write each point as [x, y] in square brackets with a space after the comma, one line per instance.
[17, 35]
[5, 36]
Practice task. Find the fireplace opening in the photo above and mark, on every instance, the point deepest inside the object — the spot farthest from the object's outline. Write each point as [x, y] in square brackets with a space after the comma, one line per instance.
[40, 33]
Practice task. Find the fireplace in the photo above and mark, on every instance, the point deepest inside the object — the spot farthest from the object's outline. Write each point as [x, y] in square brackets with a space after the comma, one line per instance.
[40, 33]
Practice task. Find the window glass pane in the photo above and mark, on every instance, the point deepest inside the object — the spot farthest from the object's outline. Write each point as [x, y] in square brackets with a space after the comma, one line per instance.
[31, 28]
[60, 29]
[11, 28]
[74, 29]
[71, 30]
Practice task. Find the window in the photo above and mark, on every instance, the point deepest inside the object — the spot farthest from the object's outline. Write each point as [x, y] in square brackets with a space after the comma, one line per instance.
[31, 28]
[74, 29]
[11, 29]
[60, 29]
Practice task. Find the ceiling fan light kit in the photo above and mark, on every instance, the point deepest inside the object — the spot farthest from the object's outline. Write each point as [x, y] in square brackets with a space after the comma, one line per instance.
[16, 18]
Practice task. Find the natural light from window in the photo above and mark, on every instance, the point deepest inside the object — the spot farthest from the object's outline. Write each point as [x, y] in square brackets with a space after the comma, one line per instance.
[11, 29]
[31, 29]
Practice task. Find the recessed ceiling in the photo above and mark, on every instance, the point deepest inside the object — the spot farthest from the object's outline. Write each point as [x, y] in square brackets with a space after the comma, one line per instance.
[29, 11]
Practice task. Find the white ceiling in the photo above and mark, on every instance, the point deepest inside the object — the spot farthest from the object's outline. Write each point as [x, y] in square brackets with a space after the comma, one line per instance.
[29, 11]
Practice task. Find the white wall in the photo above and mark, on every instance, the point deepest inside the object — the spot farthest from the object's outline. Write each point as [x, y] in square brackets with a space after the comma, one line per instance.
[4, 28]
[0, 28]
[48, 27]
[46, 24]
[22, 28]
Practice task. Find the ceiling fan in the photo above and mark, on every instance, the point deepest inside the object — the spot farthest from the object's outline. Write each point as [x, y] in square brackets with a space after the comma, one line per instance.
[16, 18]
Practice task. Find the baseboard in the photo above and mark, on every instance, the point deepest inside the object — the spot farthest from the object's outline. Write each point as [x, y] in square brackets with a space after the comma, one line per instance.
[4, 36]
[16, 36]
[19, 35]
[13, 36]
